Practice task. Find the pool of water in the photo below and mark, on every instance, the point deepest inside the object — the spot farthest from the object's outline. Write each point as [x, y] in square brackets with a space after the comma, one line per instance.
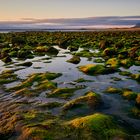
[112, 104]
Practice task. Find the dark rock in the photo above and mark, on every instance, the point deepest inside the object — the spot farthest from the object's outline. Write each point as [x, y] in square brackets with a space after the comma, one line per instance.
[74, 60]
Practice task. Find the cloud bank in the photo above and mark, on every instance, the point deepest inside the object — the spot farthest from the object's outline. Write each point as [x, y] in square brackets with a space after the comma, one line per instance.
[72, 23]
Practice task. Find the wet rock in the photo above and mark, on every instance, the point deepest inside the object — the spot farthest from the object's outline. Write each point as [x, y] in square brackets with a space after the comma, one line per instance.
[23, 54]
[136, 112]
[74, 60]
[103, 44]
[27, 64]
[138, 101]
[73, 48]
[91, 99]
[109, 52]
[52, 50]
[99, 60]
[113, 62]
[136, 77]
[113, 90]
[93, 69]
[129, 94]
[50, 105]
[81, 80]
[62, 92]
[7, 59]
[84, 53]
[125, 73]
[127, 63]
[100, 126]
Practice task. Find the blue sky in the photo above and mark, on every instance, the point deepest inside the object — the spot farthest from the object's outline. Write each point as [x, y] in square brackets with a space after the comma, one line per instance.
[18, 9]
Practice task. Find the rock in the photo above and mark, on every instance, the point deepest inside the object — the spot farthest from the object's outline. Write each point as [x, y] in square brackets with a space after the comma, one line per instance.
[84, 53]
[136, 77]
[113, 90]
[62, 92]
[129, 94]
[113, 62]
[74, 60]
[93, 69]
[27, 64]
[52, 51]
[91, 99]
[138, 101]
[125, 73]
[127, 63]
[7, 59]
[73, 48]
[46, 49]
[23, 54]
[99, 126]
[103, 44]
[99, 60]
[109, 52]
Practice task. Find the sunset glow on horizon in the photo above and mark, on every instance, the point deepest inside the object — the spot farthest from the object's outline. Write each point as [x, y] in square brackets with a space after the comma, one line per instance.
[19, 9]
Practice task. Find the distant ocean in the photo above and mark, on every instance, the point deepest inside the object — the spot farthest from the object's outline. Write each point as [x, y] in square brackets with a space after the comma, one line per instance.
[48, 30]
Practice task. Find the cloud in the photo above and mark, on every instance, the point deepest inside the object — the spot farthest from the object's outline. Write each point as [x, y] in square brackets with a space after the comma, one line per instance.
[89, 22]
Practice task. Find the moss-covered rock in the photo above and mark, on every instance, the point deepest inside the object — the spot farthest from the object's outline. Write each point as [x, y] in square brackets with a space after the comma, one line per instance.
[99, 60]
[8, 76]
[91, 99]
[136, 112]
[27, 64]
[126, 63]
[74, 60]
[129, 94]
[25, 92]
[125, 73]
[24, 54]
[93, 69]
[47, 50]
[103, 44]
[138, 100]
[84, 53]
[113, 62]
[7, 59]
[113, 90]
[62, 92]
[109, 52]
[81, 80]
[50, 105]
[45, 85]
[136, 77]
[35, 84]
[101, 126]
[73, 48]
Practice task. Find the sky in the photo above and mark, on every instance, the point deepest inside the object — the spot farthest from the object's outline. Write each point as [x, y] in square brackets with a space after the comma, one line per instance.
[18, 9]
[50, 13]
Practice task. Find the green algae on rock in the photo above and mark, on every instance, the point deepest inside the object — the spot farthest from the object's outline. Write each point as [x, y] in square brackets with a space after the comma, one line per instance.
[101, 127]
[93, 69]
[36, 83]
[113, 90]
[62, 92]
[8, 76]
[91, 99]
[27, 64]
[81, 80]
[138, 100]
[129, 94]
[113, 62]
[136, 77]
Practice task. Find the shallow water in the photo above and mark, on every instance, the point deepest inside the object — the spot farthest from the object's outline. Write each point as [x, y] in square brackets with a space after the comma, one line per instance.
[112, 104]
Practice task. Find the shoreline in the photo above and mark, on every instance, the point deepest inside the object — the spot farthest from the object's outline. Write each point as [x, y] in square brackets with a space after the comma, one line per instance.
[67, 30]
